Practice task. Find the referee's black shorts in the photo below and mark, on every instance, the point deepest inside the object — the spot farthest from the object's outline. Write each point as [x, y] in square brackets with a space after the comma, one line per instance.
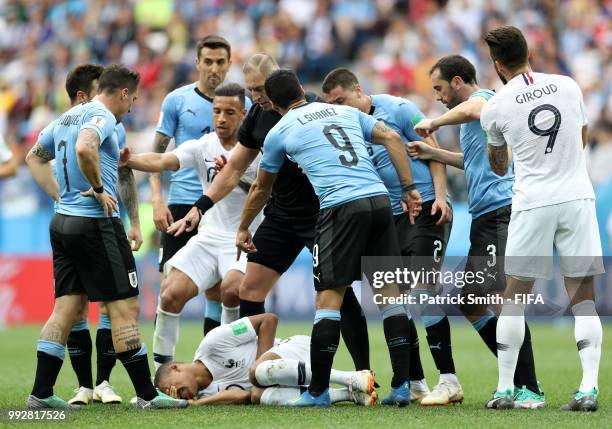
[345, 233]
[170, 244]
[92, 256]
[279, 241]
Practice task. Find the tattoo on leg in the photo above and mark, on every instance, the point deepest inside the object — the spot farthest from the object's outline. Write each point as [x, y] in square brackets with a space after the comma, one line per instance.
[53, 332]
[127, 337]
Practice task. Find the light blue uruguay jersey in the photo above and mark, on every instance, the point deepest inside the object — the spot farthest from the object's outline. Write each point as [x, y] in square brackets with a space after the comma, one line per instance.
[59, 139]
[329, 143]
[486, 190]
[400, 115]
[186, 114]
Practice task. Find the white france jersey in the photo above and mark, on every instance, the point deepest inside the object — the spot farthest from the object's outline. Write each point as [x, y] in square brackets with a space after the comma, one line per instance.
[228, 352]
[540, 116]
[200, 154]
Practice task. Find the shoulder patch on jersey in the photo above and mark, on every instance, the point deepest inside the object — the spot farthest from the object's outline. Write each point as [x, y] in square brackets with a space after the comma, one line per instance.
[98, 121]
[239, 328]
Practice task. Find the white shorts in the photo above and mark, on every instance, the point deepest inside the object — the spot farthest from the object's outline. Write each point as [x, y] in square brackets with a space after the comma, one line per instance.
[296, 348]
[571, 227]
[206, 259]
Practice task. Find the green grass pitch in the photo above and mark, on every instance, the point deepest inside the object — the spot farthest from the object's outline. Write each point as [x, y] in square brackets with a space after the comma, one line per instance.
[557, 365]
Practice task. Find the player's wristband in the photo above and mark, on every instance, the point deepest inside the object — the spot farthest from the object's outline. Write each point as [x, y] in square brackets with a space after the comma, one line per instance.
[409, 188]
[204, 203]
[99, 190]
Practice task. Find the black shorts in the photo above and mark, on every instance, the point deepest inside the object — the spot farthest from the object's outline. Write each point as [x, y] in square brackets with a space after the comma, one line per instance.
[423, 244]
[170, 244]
[279, 241]
[92, 256]
[488, 236]
[345, 233]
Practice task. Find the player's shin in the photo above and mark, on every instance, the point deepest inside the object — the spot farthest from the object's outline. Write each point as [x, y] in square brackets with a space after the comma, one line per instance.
[50, 356]
[251, 308]
[510, 335]
[79, 348]
[396, 326]
[279, 395]
[588, 334]
[416, 367]
[525, 373]
[165, 336]
[106, 356]
[438, 332]
[324, 343]
[354, 329]
[284, 372]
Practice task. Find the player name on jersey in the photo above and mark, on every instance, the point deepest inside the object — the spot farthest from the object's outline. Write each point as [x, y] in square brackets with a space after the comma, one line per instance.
[536, 93]
[321, 114]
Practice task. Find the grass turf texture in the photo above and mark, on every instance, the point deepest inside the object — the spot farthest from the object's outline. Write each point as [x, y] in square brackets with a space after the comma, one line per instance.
[557, 365]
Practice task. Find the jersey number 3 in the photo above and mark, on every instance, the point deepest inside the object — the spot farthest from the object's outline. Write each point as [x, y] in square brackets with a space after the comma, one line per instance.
[551, 132]
[346, 147]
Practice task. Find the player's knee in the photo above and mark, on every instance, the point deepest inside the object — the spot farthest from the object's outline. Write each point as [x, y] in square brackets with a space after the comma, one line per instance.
[213, 293]
[172, 299]
[229, 295]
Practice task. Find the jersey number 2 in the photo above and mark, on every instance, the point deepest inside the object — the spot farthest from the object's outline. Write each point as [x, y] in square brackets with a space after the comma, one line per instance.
[551, 132]
[346, 147]
[61, 145]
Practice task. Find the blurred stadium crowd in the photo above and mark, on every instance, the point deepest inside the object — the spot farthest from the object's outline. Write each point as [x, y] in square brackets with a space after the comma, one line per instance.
[391, 44]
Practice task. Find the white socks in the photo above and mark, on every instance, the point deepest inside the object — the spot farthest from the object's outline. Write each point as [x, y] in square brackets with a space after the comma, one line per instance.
[280, 395]
[510, 336]
[449, 378]
[588, 334]
[289, 372]
[229, 314]
[165, 336]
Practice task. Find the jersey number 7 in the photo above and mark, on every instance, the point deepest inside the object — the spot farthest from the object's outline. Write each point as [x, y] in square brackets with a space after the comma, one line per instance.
[61, 145]
[551, 132]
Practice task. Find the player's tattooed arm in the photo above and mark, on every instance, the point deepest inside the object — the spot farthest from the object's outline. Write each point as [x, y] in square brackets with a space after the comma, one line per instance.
[382, 134]
[499, 159]
[129, 196]
[88, 156]
[38, 162]
[161, 214]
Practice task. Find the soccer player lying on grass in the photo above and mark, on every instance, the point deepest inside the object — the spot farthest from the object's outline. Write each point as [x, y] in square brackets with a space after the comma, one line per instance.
[239, 363]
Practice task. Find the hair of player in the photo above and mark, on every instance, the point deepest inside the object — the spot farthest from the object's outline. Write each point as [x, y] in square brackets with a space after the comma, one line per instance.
[283, 88]
[162, 372]
[231, 90]
[261, 62]
[81, 78]
[508, 46]
[213, 41]
[342, 77]
[455, 65]
[115, 77]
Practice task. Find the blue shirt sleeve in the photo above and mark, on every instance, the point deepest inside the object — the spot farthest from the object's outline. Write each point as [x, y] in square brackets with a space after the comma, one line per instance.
[409, 115]
[273, 153]
[168, 118]
[101, 121]
[45, 138]
[367, 123]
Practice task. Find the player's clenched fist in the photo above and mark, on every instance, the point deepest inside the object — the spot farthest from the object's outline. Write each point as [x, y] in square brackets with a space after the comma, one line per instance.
[419, 150]
[425, 127]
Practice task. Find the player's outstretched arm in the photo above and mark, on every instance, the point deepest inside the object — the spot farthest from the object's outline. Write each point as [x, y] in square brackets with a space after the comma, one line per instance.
[153, 162]
[462, 113]
[127, 192]
[421, 150]
[265, 326]
[226, 397]
[37, 160]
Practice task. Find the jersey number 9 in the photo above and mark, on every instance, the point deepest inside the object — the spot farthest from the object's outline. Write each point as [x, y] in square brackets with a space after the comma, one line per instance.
[346, 147]
[551, 132]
